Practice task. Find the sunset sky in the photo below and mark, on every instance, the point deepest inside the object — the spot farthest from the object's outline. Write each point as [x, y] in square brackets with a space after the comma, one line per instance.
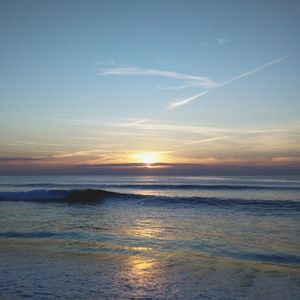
[149, 87]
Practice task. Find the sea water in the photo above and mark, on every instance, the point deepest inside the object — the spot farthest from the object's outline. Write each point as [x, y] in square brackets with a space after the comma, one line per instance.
[153, 238]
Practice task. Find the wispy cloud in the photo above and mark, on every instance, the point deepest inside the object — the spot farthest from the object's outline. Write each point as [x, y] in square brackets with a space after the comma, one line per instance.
[206, 140]
[202, 81]
[185, 85]
[220, 132]
[134, 123]
[119, 127]
[77, 121]
[80, 153]
[18, 158]
[221, 40]
[22, 143]
[184, 101]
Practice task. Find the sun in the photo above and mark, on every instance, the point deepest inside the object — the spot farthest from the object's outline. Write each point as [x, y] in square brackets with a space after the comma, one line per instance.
[147, 158]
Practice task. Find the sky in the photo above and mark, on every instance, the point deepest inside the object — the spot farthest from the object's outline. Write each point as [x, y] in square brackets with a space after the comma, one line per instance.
[149, 87]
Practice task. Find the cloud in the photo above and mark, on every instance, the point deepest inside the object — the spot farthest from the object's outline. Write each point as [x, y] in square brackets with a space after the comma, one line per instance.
[206, 140]
[194, 128]
[186, 100]
[185, 85]
[221, 40]
[286, 159]
[81, 121]
[133, 123]
[181, 102]
[202, 81]
[124, 165]
[208, 166]
[18, 158]
[79, 153]
[17, 143]
[127, 127]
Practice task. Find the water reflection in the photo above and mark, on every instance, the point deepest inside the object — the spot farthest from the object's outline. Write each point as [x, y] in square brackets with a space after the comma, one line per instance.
[141, 268]
[142, 276]
[143, 272]
[146, 228]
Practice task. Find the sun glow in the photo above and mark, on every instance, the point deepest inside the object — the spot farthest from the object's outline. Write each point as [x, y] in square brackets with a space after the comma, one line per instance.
[147, 158]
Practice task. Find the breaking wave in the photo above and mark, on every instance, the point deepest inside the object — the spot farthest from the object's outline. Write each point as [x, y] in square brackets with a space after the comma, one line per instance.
[96, 195]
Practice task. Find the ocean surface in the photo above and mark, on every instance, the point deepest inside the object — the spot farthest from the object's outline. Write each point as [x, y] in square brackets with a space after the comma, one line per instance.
[63, 237]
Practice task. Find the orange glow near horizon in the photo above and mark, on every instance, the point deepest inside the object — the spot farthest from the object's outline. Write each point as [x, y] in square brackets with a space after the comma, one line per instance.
[147, 158]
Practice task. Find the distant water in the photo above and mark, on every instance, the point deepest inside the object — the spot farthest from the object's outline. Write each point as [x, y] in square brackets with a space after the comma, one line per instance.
[153, 238]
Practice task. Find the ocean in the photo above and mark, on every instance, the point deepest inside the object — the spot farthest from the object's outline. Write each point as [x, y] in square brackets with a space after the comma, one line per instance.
[149, 237]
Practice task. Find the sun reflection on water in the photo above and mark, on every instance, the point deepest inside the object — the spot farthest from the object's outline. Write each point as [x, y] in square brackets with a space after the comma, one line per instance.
[141, 267]
[142, 275]
[145, 228]
[143, 271]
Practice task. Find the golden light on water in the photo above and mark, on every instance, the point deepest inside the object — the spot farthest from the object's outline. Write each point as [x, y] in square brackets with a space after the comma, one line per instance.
[145, 228]
[142, 267]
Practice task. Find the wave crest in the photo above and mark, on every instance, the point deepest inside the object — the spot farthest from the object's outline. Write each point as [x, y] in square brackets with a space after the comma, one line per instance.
[93, 196]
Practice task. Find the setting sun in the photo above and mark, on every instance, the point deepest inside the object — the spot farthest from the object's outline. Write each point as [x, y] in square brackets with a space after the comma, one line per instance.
[147, 158]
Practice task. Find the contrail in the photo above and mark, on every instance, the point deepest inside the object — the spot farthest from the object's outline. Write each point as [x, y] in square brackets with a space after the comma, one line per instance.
[190, 99]
[186, 100]
[273, 62]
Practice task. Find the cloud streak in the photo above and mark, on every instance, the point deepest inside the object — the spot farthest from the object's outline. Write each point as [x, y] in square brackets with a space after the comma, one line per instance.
[186, 100]
[187, 84]
[202, 81]
[206, 140]
[181, 102]
[134, 123]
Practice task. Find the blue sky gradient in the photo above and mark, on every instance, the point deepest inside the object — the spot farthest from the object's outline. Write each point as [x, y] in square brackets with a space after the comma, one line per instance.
[95, 82]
